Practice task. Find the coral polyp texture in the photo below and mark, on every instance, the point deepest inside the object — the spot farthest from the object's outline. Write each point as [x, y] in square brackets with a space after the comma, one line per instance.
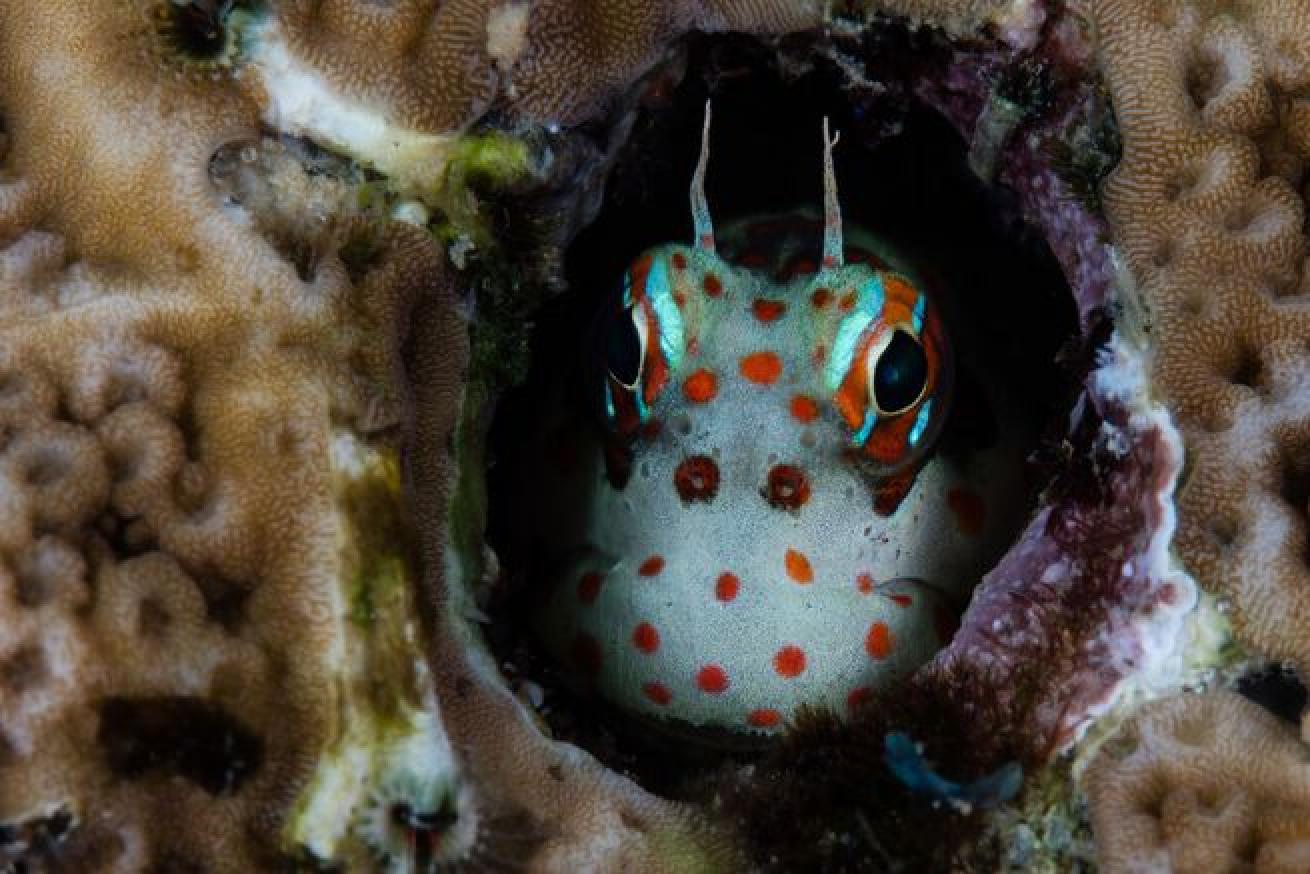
[1204, 783]
[1207, 211]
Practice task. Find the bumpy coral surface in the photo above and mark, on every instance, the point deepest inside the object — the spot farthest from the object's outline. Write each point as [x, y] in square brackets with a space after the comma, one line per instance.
[209, 646]
[1206, 210]
[1206, 783]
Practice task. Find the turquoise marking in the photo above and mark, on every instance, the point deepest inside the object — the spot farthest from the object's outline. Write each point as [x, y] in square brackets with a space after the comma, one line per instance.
[921, 422]
[627, 289]
[868, 308]
[660, 294]
[919, 308]
[862, 436]
[609, 402]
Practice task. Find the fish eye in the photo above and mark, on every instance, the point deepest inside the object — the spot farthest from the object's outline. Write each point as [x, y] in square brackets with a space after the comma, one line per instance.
[624, 348]
[900, 374]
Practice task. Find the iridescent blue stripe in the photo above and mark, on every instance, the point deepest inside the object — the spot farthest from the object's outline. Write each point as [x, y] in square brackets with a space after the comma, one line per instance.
[660, 294]
[868, 308]
[919, 308]
[921, 422]
[862, 436]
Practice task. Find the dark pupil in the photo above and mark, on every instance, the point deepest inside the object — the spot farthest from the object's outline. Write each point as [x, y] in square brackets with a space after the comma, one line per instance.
[623, 350]
[901, 372]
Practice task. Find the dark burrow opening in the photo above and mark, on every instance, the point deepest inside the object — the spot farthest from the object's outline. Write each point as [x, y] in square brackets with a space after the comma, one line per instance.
[902, 173]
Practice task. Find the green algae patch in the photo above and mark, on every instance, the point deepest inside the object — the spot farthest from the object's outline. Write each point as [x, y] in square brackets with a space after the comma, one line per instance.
[389, 751]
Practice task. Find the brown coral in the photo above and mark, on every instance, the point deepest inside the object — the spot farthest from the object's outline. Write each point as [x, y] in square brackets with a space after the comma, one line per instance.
[1202, 784]
[434, 66]
[1207, 211]
[185, 349]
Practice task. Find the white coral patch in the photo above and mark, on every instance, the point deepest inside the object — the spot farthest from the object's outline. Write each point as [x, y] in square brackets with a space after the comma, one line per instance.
[302, 103]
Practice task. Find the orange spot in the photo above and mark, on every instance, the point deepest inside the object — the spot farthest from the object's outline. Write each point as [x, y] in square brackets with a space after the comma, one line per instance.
[789, 661]
[657, 693]
[859, 697]
[764, 717]
[727, 586]
[585, 653]
[646, 638]
[713, 287]
[878, 642]
[712, 679]
[651, 566]
[821, 298]
[901, 600]
[700, 387]
[970, 512]
[762, 368]
[847, 302]
[768, 310]
[798, 567]
[804, 409]
[864, 582]
[589, 587]
[679, 260]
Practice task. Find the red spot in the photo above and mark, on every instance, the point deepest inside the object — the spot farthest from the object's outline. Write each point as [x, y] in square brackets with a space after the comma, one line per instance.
[651, 429]
[712, 679]
[658, 693]
[789, 661]
[680, 299]
[819, 355]
[802, 265]
[788, 487]
[768, 310]
[762, 368]
[858, 697]
[970, 512]
[764, 717]
[878, 642]
[693, 346]
[679, 260]
[585, 653]
[847, 302]
[804, 409]
[713, 287]
[820, 298]
[646, 638]
[589, 586]
[727, 586]
[864, 582]
[798, 567]
[901, 600]
[697, 479]
[700, 387]
[651, 566]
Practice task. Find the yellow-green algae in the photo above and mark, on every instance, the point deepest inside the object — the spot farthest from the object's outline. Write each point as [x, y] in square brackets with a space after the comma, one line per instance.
[390, 736]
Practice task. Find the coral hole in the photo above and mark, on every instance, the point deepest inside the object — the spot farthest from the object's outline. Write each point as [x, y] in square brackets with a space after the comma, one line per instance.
[904, 174]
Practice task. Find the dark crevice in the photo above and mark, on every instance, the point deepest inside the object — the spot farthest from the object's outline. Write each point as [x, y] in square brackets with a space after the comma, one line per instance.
[177, 736]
